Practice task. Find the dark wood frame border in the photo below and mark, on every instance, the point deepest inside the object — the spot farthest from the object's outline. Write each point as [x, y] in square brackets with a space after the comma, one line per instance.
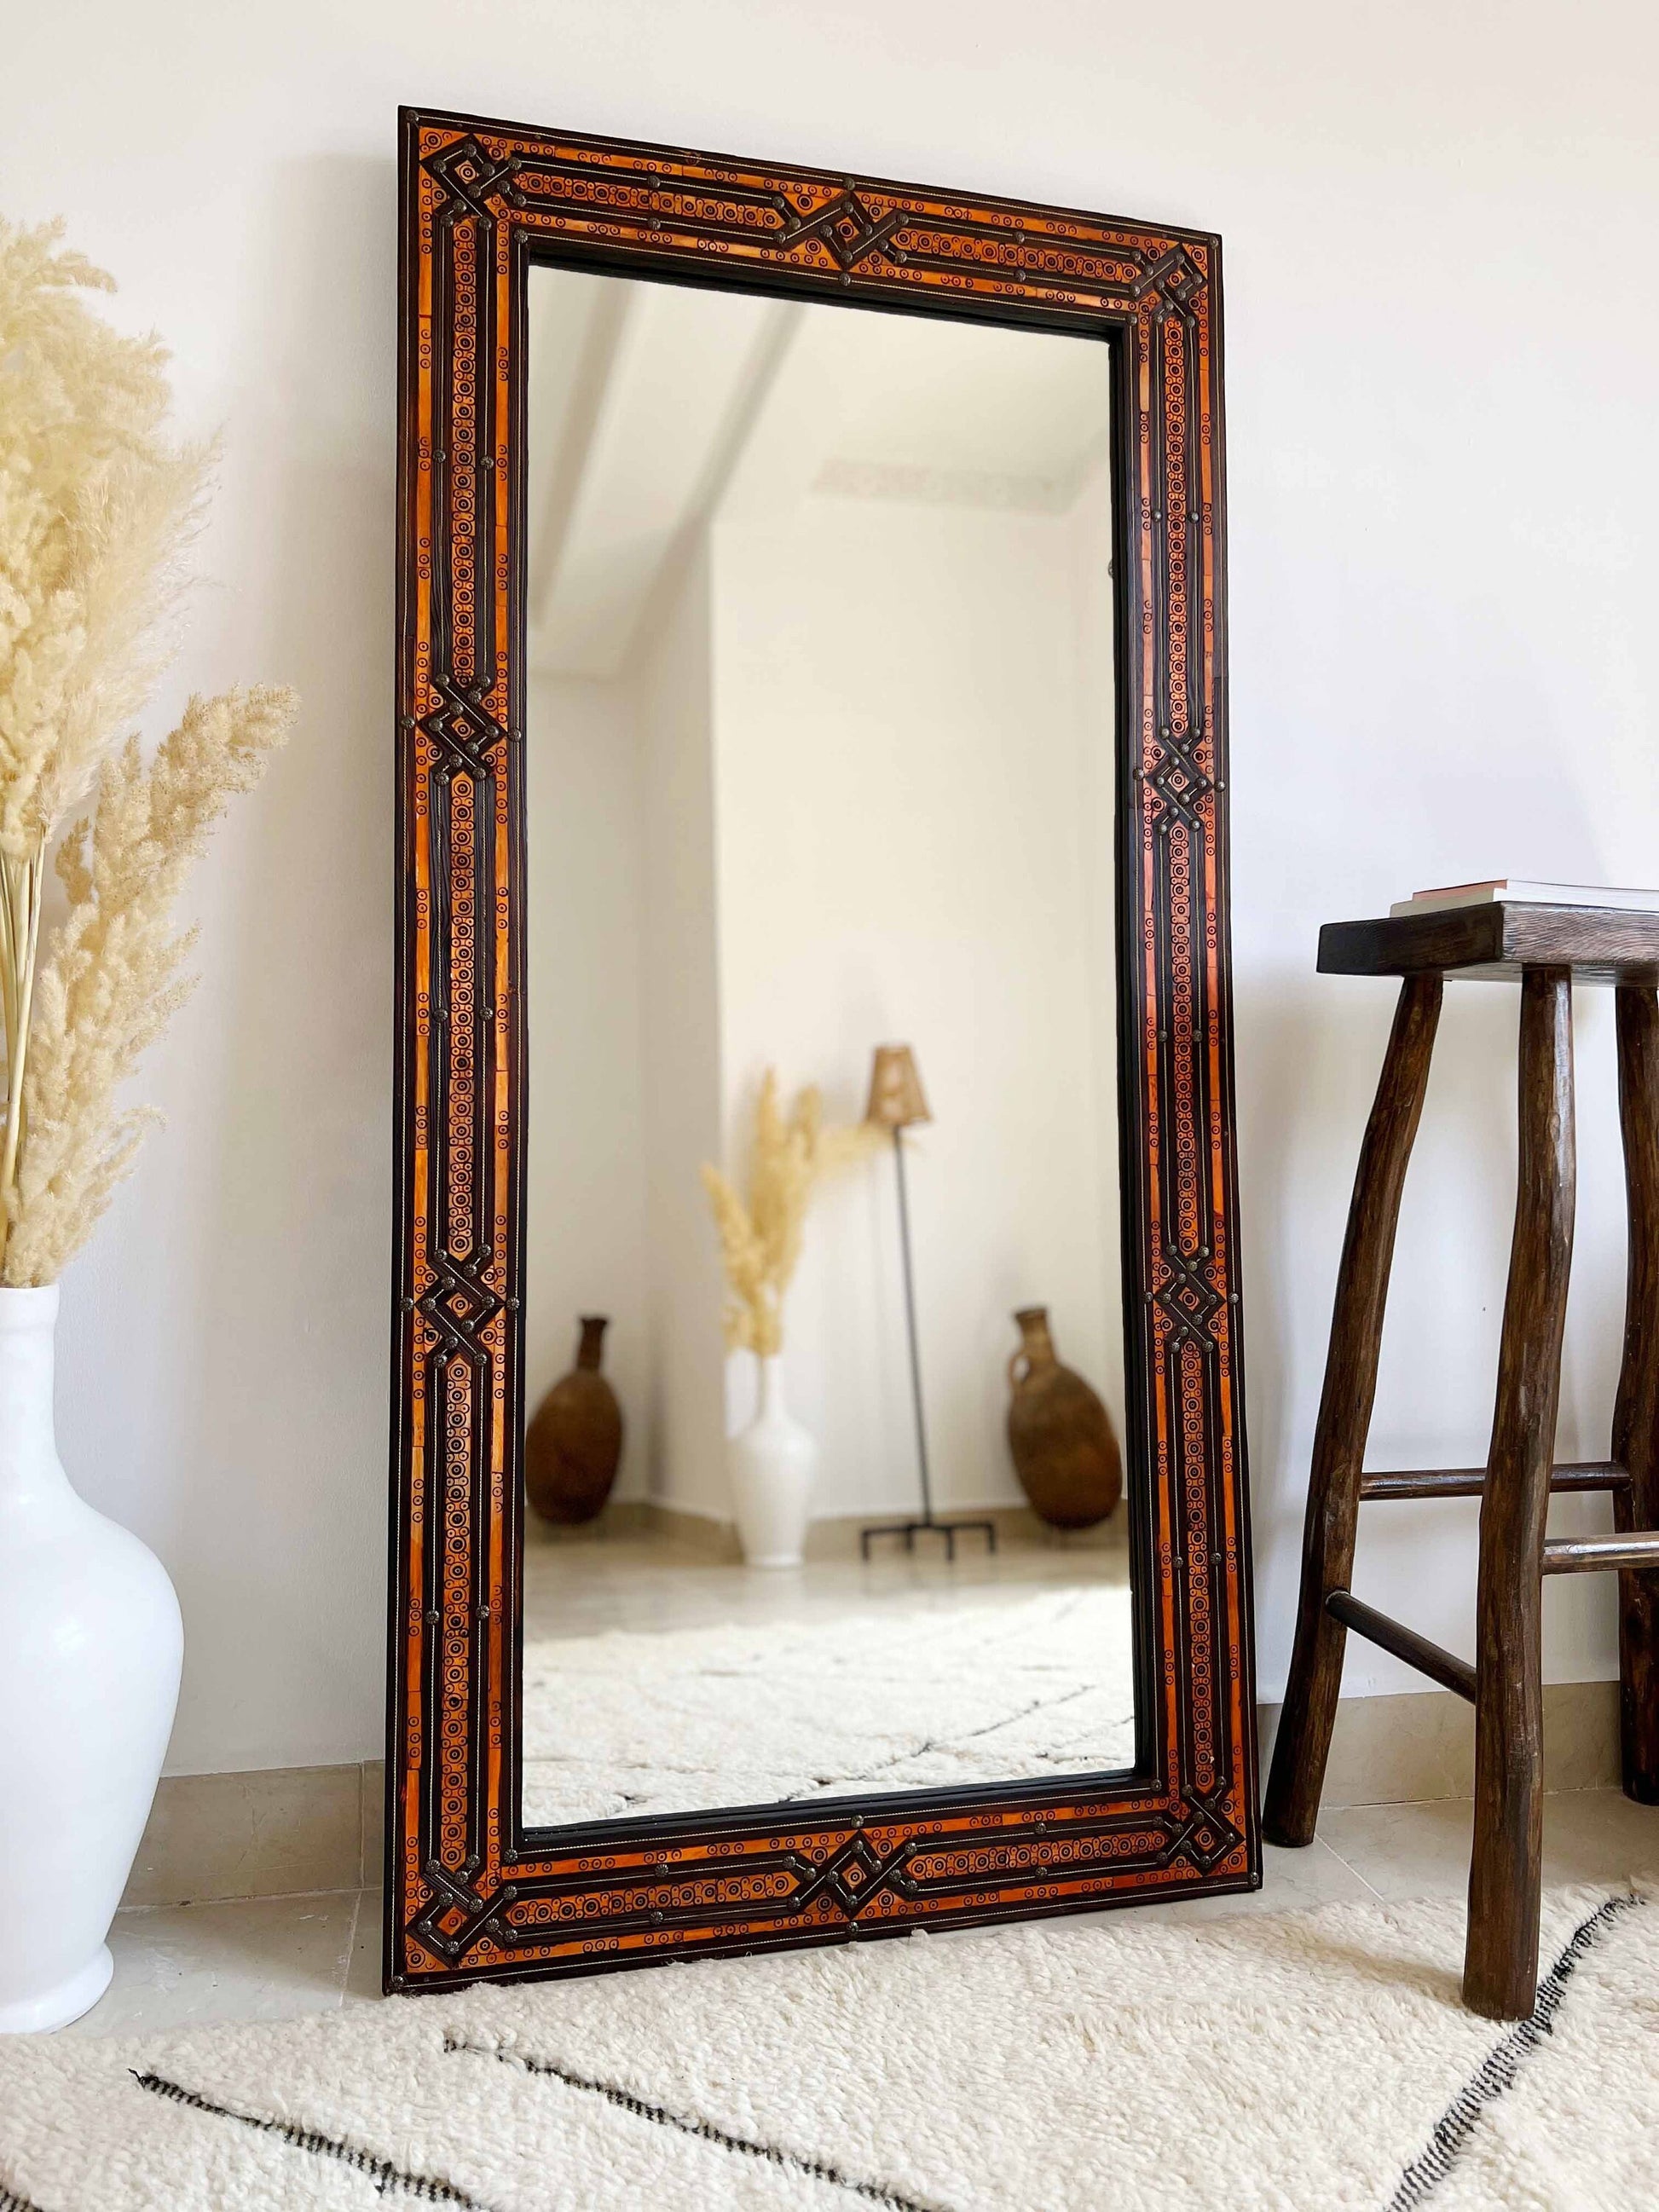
[467, 1894]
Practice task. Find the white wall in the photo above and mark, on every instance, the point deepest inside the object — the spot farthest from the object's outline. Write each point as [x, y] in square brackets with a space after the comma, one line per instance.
[905, 855]
[1443, 461]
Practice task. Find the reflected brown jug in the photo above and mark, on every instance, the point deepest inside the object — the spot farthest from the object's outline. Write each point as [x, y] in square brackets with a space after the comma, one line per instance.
[1065, 1453]
[573, 1448]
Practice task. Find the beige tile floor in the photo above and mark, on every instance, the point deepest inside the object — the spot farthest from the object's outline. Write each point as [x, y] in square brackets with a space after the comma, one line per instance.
[278, 1957]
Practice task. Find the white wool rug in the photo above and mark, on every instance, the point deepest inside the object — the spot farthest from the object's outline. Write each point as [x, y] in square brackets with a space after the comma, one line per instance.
[1319, 2060]
[891, 1696]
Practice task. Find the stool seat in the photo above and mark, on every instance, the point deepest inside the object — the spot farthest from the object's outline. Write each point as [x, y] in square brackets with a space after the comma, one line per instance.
[1547, 950]
[1496, 941]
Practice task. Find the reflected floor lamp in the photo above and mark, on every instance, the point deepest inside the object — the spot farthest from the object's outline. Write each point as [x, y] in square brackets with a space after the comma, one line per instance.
[897, 1102]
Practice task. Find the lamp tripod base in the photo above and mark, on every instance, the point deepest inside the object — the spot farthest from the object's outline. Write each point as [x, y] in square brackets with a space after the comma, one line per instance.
[909, 1530]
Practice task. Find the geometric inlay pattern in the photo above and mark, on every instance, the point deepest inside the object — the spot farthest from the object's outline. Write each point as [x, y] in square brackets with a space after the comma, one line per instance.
[467, 1893]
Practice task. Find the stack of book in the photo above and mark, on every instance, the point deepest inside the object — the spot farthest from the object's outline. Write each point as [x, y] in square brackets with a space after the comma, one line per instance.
[1515, 890]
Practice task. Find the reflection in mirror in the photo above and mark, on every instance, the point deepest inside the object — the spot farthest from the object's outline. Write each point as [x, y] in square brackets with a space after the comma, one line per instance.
[820, 764]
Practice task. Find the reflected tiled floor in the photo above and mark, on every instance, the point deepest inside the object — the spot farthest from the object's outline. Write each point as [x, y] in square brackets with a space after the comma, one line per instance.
[586, 1588]
[274, 1958]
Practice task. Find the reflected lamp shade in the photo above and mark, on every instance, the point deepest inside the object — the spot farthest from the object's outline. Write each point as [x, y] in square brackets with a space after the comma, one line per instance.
[896, 1098]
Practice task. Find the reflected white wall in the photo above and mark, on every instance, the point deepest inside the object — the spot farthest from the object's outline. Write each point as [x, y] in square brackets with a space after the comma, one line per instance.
[854, 786]
[585, 1195]
[837, 589]
[905, 798]
[682, 1042]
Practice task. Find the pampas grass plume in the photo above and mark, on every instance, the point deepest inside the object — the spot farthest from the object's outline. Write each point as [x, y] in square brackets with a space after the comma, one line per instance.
[97, 509]
[760, 1237]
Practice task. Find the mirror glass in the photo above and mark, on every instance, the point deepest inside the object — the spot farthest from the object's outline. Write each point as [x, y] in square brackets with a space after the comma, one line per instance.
[820, 795]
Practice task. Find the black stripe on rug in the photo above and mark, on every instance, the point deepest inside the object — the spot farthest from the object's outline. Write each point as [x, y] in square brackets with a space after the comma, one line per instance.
[704, 2130]
[11, 2202]
[1497, 2071]
[424, 2187]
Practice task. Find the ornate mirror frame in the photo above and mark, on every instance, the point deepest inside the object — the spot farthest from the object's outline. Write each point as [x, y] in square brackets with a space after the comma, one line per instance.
[467, 1893]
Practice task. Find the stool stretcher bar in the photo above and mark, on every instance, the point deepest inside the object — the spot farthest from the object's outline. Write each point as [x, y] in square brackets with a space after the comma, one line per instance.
[1637, 1551]
[1469, 1481]
[1430, 1659]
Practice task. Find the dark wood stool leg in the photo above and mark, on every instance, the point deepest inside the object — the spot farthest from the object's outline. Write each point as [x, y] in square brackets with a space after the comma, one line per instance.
[1500, 1962]
[1635, 1412]
[1303, 1742]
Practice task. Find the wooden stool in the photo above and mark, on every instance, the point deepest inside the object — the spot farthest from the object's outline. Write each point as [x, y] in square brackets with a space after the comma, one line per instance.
[1549, 948]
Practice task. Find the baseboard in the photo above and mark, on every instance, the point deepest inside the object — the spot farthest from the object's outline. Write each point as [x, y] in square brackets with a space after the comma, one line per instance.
[639, 1520]
[276, 1832]
[837, 1535]
[1393, 1751]
[833, 1537]
[283, 1831]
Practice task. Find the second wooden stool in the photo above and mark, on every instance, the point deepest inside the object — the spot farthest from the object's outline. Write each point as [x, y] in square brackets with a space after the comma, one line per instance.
[1549, 948]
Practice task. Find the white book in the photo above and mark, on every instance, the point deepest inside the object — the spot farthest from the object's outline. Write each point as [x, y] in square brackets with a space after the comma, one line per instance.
[1515, 890]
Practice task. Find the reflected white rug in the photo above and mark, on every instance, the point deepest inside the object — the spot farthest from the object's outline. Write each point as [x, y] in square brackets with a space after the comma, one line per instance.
[895, 1696]
[1318, 2060]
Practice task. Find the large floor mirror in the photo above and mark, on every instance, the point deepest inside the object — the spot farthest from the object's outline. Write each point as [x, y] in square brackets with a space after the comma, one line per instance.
[769, 828]
[818, 1474]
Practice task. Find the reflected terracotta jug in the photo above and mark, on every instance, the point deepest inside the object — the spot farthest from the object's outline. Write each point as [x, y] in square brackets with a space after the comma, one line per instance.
[1064, 1453]
[573, 1448]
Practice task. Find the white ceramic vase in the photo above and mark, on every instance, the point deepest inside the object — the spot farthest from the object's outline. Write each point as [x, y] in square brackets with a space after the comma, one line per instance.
[772, 1463]
[90, 1648]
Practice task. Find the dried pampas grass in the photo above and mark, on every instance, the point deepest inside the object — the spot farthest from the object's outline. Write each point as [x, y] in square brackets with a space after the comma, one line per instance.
[97, 508]
[111, 982]
[760, 1238]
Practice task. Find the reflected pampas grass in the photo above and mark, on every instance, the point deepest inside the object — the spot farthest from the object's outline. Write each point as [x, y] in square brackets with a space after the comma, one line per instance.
[760, 1236]
[98, 507]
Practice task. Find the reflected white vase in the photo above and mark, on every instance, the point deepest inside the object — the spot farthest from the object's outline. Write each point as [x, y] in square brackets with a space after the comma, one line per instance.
[772, 1463]
[91, 1644]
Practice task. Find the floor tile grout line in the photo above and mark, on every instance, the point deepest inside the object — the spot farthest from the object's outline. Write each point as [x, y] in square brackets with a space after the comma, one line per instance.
[349, 1953]
[1461, 1798]
[1352, 1870]
[249, 1897]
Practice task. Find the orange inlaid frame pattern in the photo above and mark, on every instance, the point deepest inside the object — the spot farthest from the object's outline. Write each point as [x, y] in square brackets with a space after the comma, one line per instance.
[468, 1893]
